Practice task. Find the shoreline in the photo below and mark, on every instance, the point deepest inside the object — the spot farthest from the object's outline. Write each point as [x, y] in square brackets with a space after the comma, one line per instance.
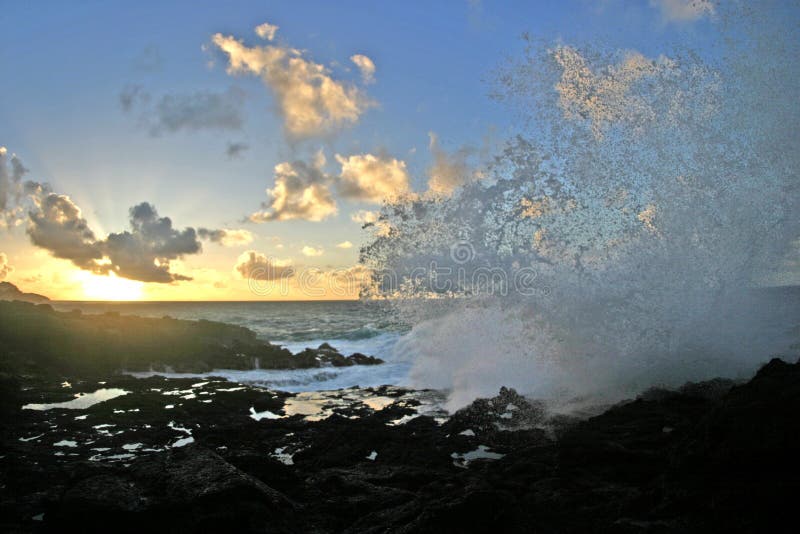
[192, 454]
[86, 448]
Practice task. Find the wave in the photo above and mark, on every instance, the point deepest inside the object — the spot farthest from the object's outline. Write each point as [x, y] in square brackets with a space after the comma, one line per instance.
[380, 344]
[615, 245]
[299, 380]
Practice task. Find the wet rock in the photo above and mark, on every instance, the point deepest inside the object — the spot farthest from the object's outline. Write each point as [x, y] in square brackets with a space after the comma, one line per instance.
[706, 457]
[507, 411]
[362, 359]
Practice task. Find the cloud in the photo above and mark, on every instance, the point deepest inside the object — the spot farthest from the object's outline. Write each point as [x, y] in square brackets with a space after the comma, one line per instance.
[309, 99]
[683, 10]
[345, 245]
[372, 178]
[11, 187]
[142, 253]
[312, 252]
[235, 150]
[201, 110]
[198, 111]
[57, 225]
[448, 170]
[366, 66]
[132, 96]
[301, 191]
[364, 217]
[5, 268]
[226, 237]
[253, 265]
[267, 31]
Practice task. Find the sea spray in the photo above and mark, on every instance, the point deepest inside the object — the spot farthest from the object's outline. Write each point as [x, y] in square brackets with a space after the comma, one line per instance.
[615, 242]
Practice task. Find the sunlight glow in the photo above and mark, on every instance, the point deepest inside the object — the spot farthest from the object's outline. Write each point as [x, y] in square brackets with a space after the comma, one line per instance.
[97, 287]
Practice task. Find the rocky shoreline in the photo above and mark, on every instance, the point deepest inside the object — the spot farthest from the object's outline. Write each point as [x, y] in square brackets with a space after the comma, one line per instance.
[191, 455]
[38, 340]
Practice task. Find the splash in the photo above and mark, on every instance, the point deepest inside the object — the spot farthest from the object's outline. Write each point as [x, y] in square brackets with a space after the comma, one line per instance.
[616, 241]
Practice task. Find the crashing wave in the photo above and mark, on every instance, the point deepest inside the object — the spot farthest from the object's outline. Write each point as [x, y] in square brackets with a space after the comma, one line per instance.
[615, 241]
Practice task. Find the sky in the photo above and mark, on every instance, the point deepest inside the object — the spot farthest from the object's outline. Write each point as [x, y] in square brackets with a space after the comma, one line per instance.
[203, 150]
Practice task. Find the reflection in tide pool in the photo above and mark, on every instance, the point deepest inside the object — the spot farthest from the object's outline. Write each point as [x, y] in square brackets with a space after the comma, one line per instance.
[81, 400]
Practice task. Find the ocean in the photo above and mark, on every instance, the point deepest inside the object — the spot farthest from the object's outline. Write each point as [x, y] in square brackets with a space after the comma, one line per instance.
[463, 354]
[349, 326]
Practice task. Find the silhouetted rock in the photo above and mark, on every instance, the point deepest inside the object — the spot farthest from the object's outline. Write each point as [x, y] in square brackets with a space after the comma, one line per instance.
[705, 457]
[185, 490]
[36, 338]
[9, 291]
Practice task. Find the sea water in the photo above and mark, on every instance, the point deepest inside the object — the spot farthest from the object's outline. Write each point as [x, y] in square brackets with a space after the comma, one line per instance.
[349, 326]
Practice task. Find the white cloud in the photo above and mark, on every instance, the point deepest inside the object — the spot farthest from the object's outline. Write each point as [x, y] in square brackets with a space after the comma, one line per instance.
[301, 191]
[267, 31]
[366, 66]
[12, 188]
[683, 10]
[345, 245]
[372, 178]
[364, 217]
[312, 252]
[309, 99]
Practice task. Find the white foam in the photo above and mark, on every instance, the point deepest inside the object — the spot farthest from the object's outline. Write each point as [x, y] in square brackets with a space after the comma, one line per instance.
[481, 453]
[281, 456]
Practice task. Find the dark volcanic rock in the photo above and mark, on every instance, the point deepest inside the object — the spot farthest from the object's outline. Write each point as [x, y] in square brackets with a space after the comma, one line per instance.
[743, 452]
[325, 355]
[362, 359]
[39, 340]
[186, 490]
[707, 457]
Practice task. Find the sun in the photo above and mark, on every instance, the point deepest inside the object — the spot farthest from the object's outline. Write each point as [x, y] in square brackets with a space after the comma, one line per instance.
[111, 287]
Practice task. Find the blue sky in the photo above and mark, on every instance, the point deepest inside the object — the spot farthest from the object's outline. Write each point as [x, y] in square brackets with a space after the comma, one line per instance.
[65, 65]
